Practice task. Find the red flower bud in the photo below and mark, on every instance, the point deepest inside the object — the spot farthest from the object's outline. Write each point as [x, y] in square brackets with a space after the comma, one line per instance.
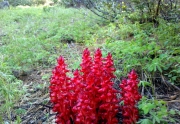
[130, 96]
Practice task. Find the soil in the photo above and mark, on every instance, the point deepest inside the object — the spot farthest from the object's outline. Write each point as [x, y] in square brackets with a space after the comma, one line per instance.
[35, 107]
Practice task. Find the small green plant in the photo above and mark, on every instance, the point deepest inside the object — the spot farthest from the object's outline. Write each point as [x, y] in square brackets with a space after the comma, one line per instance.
[146, 49]
[154, 112]
[9, 91]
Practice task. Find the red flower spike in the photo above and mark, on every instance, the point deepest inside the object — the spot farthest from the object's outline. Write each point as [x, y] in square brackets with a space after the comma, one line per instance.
[86, 64]
[88, 97]
[59, 93]
[130, 96]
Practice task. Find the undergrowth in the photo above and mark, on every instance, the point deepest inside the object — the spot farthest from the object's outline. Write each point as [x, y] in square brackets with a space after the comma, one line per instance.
[33, 37]
[152, 51]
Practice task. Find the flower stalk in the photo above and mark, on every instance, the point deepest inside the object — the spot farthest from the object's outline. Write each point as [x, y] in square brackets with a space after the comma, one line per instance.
[130, 97]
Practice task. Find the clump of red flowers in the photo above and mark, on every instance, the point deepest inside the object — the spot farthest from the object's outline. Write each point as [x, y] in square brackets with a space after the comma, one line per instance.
[88, 97]
[130, 96]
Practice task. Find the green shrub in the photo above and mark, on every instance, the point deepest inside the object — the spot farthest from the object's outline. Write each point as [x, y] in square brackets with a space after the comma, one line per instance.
[148, 11]
[153, 51]
[26, 2]
[68, 3]
[55, 1]
[155, 112]
[20, 2]
[39, 2]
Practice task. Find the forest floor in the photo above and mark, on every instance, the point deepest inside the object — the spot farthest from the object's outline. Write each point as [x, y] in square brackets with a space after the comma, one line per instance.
[36, 103]
[26, 41]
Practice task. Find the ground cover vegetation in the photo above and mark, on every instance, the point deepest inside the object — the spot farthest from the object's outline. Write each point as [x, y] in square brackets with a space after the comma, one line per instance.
[141, 35]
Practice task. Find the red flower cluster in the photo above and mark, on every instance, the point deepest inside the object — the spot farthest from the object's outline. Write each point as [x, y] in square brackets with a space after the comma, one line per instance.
[60, 91]
[88, 97]
[130, 96]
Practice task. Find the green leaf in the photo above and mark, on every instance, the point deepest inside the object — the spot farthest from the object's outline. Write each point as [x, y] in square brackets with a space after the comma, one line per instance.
[1, 119]
[157, 119]
[178, 112]
[20, 111]
[144, 83]
[172, 112]
[159, 68]
[147, 107]
[172, 120]
[145, 121]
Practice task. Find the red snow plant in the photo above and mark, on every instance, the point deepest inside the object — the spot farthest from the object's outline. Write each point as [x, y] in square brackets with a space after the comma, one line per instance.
[88, 97]
[130, 96]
